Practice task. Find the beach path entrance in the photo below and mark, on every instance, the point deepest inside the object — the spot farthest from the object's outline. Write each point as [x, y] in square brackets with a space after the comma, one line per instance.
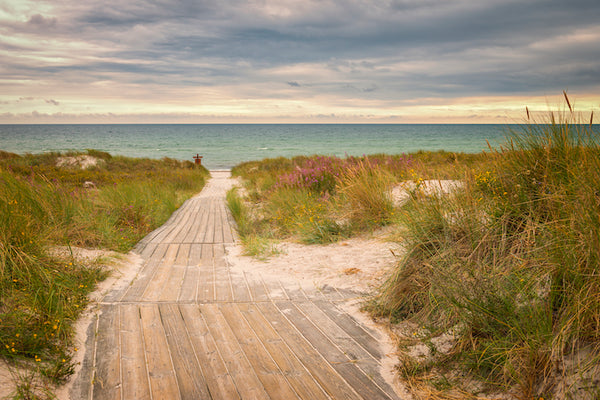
[190, 327]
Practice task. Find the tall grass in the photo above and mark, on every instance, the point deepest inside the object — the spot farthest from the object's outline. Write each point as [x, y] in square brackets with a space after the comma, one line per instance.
[512, 263]
[43, 205]
[320, 199]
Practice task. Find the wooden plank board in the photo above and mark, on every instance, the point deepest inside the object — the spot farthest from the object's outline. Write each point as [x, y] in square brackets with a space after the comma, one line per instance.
[195, 254]
[218, 235]
[369, 341]
[206, 283]
[190, 377]
[83, 381]
[319, 368]
[189, 286]
[241, 293]
[195, 223]
[138, 286]
[228, 226]
[345, 366]
[133, 359]
[218, 379]
[223, 290]
[365, 361]
[299, 378]
[275, 290]
[201, 231]
[246, 381]
[183, 254]
[107, 379]
[163, 383]
[209, 233]
[161, 276]
[267, 371]
[172, 287]
[171, 254]
[257, 288]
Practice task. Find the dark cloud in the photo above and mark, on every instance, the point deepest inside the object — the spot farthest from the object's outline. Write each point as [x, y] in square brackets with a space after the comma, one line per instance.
[392, 50]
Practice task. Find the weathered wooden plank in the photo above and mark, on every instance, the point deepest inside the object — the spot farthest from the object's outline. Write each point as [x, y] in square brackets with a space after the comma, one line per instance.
[329, 292]
[161, 276]
[295, 292]
[367, 339]
[183, 254]
[228, 226]
[189, 286]
[319, 368]
[218, 379]
[257, 288]
[107, 380]
[275, 290]
[172, 287]
[138, 286]
[218, 235]
[365, 361]
[206, 283]
[209, 233]
[241, 293]
[163, 383]
[171, 254]
[195, 254]
[133, 359]
[83, 381]
[202, 225]
[267, 371]
[223, 290]
[244, 376]
[299, 378]
[190, 377]
[345, 366]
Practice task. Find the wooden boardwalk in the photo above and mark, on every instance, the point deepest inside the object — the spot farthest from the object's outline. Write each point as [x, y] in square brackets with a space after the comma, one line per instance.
[188, 328]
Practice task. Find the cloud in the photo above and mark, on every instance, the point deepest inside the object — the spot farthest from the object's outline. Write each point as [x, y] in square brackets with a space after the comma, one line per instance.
[206, 52]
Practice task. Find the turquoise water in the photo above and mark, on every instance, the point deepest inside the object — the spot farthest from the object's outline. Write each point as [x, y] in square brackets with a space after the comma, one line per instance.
[225, 145]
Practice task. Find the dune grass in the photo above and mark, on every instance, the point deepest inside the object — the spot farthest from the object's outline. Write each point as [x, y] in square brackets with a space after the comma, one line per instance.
[322, 199]
[510, 266]
[43, 206]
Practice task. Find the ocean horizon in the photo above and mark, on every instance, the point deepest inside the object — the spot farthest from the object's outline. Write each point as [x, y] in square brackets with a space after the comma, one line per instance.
[223, 146]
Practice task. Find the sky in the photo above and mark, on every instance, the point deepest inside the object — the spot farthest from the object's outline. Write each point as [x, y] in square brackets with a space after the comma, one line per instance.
[296, 61]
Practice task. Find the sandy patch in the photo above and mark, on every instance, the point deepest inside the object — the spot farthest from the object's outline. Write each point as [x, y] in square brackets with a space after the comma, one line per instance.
[82, 162]
[401, 192]
[356, 264]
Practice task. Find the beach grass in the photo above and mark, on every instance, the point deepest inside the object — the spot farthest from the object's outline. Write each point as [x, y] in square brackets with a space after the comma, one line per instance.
[111, 205]
[510, 266]
[499, 282]
[322, 199]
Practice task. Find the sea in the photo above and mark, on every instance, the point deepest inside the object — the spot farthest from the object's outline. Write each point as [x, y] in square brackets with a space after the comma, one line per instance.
[223, 146]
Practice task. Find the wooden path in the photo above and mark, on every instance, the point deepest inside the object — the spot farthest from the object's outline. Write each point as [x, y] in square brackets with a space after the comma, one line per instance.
[188, 328]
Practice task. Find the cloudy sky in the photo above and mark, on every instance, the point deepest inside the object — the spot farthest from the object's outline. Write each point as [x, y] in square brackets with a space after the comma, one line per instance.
[395, 61]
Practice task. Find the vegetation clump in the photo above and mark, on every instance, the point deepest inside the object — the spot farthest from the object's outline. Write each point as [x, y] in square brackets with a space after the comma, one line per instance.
[44, 205]
[511, 267]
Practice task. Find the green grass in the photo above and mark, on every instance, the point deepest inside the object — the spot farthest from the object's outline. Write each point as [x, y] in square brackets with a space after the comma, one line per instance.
[42, 206]
[512, 261]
